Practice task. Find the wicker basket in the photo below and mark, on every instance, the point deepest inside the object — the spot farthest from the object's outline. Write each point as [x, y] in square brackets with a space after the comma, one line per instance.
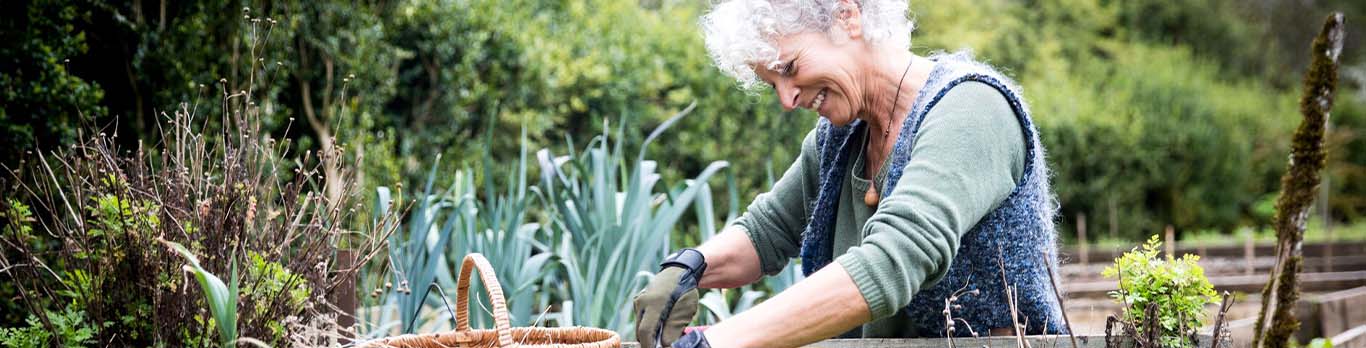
[503, 335]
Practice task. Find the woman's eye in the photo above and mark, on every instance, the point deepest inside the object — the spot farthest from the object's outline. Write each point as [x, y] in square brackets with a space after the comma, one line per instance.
[787, 69]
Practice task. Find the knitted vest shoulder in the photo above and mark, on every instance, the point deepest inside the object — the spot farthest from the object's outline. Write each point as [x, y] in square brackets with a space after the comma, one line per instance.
[1013, 243]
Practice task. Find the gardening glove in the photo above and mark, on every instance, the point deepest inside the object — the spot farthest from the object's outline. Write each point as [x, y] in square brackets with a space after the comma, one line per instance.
[693, 339]
[669, 302]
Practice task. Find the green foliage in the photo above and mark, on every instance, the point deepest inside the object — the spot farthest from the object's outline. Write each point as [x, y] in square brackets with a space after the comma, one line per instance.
[68, 326]
[1213, 28]
[1157, 111]
[228, 193]
[610, 225]
[1168, 295]
[43, 102]
[559, 69]
[112, 215]
[273, 285]
[417, 256]
[1154, 132]
[443, 227]
[221, 297]
[97, 278]
[721, 308]
[1345, 173]
[1320, 342]
[16, 219]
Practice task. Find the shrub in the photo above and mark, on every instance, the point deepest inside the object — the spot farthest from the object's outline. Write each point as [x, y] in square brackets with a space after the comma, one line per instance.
[231, 196]
[1166, 295]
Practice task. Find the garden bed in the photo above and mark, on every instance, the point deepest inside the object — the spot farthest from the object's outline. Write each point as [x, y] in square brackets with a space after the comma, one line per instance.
[1038, 341]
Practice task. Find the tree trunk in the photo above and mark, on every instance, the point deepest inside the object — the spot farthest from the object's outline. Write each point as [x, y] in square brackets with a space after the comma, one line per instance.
[1276, 322]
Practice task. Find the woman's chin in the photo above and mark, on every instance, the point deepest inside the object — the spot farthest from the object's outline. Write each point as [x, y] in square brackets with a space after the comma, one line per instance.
[838, 120]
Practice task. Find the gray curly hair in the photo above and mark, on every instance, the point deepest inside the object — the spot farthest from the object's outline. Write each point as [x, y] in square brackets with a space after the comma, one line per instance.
[739, 33]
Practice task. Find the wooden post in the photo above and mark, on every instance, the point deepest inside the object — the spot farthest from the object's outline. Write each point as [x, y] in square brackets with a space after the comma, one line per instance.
[345, 295]
[1170, 234]
[1083, 246]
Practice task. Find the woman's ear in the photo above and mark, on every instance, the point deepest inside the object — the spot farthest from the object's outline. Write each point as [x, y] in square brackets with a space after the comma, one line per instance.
[848, 19]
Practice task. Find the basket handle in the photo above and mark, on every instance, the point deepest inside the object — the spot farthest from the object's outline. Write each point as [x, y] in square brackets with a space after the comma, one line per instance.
[495, 291]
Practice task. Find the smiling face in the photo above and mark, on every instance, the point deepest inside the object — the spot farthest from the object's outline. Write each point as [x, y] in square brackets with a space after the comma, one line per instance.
[816, 73]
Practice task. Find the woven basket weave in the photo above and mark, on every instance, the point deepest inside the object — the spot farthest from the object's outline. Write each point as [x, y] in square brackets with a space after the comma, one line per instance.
[503, 335]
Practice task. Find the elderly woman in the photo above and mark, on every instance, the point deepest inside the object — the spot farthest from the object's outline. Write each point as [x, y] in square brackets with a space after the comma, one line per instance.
[919, 206]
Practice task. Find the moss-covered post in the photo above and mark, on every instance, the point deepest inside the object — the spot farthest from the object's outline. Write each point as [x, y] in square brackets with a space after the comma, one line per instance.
[1276, 322]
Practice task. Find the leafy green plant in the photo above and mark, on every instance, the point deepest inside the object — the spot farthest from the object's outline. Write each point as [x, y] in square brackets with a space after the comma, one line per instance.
[418, 256]
[69, 326]
[444, 226]
[273, 285]
[221, 297]
[1161, 296]
[719, 307]
[609, 225]
[1320, 342]
[505, 235]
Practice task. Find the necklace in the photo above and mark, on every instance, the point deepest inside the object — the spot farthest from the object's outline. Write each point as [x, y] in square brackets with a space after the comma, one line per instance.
[870, 198]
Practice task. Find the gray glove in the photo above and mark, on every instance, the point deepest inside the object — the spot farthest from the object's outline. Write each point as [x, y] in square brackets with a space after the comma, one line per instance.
[669, 302]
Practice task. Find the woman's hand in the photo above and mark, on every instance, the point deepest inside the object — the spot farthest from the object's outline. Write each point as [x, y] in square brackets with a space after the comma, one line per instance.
[668, 303]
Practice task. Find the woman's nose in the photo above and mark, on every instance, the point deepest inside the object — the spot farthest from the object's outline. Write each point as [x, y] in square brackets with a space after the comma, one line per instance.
[788, 94]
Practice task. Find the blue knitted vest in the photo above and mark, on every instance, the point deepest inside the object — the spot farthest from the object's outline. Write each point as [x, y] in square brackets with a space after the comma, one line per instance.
[1021, 227]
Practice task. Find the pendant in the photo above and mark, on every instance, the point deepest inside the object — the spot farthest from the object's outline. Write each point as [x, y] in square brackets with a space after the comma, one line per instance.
[870, 197]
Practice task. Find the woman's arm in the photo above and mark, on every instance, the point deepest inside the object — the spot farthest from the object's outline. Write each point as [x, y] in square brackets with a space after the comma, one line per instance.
[761, 241]
[768, 235]
[732, 260]
[819, 307]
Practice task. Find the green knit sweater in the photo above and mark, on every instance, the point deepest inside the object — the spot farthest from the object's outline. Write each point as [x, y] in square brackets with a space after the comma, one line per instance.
[968, 156]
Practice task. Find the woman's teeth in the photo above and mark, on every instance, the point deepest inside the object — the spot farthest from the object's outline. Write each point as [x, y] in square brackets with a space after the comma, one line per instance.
[820, 98]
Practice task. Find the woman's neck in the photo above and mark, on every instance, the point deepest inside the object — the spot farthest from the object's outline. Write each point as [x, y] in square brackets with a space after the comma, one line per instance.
[894, 80]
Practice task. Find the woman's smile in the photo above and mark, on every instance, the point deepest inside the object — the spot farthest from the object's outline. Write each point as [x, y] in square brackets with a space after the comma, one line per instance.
[819, 100]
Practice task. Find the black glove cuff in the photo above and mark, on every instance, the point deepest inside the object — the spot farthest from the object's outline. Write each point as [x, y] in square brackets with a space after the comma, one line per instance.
[690, 259]
[694, 339]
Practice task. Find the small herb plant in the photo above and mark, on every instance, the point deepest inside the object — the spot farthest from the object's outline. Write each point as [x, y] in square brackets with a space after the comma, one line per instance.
[1161, 293]
[69, 325]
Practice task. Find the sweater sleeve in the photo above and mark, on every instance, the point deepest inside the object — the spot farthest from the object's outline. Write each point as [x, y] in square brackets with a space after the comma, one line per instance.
[966, 159]
[775, 220]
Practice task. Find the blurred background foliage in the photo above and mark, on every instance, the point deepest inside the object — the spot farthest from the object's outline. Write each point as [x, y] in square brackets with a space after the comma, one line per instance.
[1155, 112]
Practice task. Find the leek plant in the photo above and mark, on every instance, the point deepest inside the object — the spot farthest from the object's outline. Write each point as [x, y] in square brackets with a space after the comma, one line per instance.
[610, 225]
[417, 257]
[443, 227]
[719, 306]
[607, 226]
[515, 247]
